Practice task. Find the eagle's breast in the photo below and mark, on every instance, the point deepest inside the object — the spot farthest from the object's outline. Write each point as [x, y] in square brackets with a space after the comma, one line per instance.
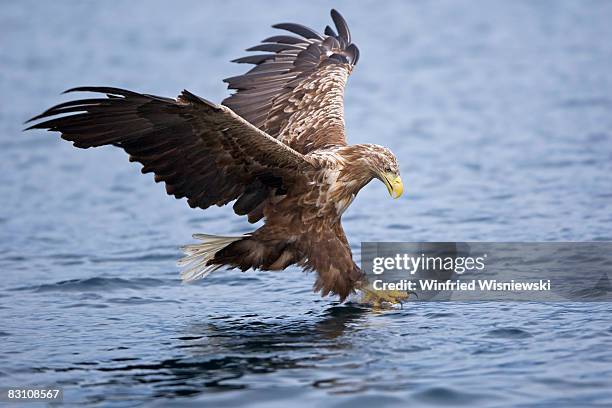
[337, 194]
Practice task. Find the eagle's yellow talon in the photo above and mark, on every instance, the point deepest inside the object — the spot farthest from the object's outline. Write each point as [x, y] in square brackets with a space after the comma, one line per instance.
[378, 298]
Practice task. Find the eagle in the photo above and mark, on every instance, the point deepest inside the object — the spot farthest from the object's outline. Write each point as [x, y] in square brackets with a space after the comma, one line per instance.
[276, 148]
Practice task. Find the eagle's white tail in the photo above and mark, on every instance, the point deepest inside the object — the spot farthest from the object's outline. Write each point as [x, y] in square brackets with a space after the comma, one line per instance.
[198, 255]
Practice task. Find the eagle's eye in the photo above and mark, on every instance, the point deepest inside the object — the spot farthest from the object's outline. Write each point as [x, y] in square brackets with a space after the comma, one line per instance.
[388, 169]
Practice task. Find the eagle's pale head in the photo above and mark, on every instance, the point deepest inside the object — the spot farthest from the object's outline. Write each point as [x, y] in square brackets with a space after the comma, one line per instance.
[384, 167]
[365, 162]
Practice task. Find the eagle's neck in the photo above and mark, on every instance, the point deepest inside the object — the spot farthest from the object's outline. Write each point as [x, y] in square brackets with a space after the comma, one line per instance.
[356, 170]
[347, 171]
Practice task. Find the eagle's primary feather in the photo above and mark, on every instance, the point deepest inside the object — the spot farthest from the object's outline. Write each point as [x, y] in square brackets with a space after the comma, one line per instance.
[276, 147]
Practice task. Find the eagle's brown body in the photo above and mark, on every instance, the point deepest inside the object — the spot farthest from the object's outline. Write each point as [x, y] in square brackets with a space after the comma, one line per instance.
[303, 227]
[276, 147]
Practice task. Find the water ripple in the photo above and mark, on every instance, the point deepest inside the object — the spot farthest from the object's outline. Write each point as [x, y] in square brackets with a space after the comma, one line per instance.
[96, 284]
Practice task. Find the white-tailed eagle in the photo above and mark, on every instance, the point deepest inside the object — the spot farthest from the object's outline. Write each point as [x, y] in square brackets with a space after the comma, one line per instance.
[276, 148]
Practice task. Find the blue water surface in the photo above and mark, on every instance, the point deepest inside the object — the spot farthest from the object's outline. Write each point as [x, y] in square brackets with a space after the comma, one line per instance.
[500, 114]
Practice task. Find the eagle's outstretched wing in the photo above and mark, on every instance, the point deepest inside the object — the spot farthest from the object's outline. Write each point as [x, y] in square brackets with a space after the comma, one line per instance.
[200, 150]
[295, 92]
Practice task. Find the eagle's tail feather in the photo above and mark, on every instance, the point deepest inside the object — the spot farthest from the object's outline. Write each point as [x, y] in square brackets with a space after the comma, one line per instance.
[198, 255]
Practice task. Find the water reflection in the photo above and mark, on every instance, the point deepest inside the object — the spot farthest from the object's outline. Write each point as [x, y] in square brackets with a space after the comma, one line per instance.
[218, 354]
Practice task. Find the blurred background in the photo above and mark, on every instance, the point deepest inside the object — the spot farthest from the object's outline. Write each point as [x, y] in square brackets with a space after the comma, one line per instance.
[499, 113]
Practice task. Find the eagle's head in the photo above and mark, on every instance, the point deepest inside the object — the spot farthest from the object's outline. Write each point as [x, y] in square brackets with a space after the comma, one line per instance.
[383, 165]
[364, 162]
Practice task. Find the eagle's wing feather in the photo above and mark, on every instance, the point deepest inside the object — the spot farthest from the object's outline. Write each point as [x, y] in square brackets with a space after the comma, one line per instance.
[200, 150]
[295, 92]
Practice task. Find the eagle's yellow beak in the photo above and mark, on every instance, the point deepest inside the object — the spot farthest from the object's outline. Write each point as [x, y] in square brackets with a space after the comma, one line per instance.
[394, 184]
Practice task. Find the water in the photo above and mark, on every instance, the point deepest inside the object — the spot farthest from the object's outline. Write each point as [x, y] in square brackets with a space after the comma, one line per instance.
[499, 113]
